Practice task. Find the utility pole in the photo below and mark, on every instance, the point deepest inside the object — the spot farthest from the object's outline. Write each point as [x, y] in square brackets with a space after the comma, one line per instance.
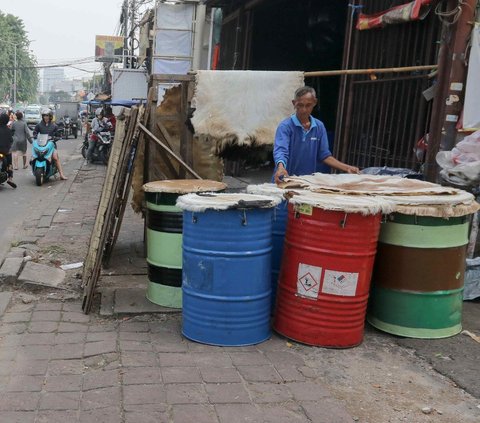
[132, 31]
[15, 75]
[125, 31]
[450, 92]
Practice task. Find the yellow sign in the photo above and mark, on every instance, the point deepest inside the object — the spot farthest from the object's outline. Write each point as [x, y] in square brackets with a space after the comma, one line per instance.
[108, 48]
[304, 209]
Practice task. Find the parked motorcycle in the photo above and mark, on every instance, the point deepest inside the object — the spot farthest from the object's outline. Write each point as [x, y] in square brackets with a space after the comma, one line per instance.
[43, 166]
[103, 141]
[74, 128]
[67, 127]
[3, 169]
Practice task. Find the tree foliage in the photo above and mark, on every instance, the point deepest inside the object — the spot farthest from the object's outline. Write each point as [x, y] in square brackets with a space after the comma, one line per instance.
[12, 31]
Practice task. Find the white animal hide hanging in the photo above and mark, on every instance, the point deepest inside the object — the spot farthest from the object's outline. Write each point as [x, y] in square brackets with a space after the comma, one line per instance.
[242, 107]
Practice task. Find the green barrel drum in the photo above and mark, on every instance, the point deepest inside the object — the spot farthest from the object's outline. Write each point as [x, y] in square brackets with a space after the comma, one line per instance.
[164, 226]
[418, 276]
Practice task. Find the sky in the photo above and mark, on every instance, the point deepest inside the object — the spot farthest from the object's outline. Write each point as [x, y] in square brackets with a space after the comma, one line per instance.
[64, 30]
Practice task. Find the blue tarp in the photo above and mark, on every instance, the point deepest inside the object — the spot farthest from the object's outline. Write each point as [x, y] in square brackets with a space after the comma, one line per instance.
[124, 103]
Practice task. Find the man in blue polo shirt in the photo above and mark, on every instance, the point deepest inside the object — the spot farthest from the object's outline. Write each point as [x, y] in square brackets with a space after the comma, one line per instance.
[301, 142]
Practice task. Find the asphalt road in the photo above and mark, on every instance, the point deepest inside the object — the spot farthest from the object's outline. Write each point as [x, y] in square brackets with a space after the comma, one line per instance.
[17, 204]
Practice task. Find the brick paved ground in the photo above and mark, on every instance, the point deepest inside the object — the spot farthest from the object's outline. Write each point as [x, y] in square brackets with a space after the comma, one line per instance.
[59, 365]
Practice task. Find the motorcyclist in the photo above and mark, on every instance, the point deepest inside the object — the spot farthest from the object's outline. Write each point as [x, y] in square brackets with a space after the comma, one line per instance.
[111, 117]
[47, 126]
[99, 123]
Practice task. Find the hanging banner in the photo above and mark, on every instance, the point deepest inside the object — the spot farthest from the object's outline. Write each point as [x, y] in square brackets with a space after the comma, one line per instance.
[108, 48]
[471, 108]
[413, 11]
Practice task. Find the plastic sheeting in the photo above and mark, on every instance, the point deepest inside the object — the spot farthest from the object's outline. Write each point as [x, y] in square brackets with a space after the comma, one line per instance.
[472, 279]
[175, 16]
[173, 67]
[471, 108]
[173, 43]
[461, 165]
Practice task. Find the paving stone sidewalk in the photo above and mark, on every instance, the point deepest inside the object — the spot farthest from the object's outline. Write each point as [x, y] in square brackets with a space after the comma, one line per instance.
[59, 365]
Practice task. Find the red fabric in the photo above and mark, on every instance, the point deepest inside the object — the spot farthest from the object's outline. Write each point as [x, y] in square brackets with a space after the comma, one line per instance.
[407, 12]
[216, 56]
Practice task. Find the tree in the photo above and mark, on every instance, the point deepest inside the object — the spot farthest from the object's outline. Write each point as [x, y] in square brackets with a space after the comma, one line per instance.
[12, 31]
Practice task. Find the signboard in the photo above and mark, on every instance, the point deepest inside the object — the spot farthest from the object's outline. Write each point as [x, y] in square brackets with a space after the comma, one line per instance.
[108, 48]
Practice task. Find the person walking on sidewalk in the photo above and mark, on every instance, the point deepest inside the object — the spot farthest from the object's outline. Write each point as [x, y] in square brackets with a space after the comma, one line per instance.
[21, 134]
[301, 142]
[6, 141]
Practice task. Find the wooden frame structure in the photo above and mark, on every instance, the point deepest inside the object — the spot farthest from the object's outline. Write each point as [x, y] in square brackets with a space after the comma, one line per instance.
[138, 126]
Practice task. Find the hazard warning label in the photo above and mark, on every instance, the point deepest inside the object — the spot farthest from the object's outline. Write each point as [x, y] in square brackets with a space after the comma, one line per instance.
[340, 283]
[308, 280]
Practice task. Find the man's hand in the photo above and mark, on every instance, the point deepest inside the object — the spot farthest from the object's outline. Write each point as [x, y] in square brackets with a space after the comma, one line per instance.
[352, 169]
[280, 174]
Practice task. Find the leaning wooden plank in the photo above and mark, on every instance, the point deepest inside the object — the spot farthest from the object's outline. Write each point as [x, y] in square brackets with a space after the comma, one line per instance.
[93, 261]
[105, 221]
[106, 189]
[123, 190]
[90, 273]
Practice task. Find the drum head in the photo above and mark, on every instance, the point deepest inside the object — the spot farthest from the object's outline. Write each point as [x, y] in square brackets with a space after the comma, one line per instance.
[184, 186]
[220, 201]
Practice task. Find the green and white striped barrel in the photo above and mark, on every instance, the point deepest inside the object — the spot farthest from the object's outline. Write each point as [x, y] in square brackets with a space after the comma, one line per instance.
[164, 222]
[418, 276]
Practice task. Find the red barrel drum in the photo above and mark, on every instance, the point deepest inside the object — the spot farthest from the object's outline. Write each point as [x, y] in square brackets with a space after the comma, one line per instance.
[325, 276]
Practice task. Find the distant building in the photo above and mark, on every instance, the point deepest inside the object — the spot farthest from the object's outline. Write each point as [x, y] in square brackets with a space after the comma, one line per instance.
[70, 86]
[52, 78]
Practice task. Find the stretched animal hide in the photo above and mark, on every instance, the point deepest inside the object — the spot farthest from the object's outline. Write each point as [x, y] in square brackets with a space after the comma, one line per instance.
[205, 163]
[242, 108]
[366, 185]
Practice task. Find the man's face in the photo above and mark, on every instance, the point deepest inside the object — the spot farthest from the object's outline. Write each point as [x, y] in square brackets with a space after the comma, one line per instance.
[304, 106]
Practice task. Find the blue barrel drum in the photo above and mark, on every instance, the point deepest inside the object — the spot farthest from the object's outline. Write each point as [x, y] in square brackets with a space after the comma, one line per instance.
[279, 227]
[226, 286]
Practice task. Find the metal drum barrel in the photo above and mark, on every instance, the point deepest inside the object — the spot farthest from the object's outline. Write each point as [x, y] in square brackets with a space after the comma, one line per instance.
[327, 265]
[227, 245]
[418, 276]
[164, 237]
[280, 216]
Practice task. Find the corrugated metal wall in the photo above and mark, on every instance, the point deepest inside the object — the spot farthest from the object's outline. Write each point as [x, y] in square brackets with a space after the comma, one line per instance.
[380, 119]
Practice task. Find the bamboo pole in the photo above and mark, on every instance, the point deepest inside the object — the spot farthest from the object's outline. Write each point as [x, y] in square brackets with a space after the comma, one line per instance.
[172, 153]
[370, 71]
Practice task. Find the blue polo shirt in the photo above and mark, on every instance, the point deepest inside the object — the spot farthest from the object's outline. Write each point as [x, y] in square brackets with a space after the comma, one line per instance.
[301, 152]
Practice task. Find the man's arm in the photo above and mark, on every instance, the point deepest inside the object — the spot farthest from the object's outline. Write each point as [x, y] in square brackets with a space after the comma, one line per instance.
[36, 130]
[337, 164]
[281, 152]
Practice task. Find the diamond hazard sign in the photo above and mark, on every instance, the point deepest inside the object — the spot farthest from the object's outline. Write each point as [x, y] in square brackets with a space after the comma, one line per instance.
[308, 280]
[340, 283]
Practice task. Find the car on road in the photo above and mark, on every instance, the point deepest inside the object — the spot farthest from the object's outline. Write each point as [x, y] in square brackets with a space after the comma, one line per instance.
[32, 116]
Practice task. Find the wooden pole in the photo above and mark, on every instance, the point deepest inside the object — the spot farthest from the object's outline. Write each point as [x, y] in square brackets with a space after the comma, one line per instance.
[370, 71]
[172, 153]
[458, 73]
[450, 92]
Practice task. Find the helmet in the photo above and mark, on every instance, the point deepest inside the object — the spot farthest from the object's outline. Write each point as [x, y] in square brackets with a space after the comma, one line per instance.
[47, 112]
[99, 112]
